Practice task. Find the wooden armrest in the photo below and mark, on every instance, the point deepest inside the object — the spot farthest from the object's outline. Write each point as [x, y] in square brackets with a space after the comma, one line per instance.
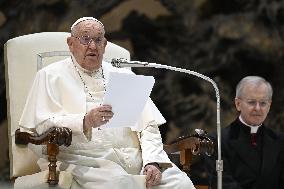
[53, 138]
[190, 145]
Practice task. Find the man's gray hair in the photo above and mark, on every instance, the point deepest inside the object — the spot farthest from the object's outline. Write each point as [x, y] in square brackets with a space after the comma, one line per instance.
[83, 19]
[255, 80]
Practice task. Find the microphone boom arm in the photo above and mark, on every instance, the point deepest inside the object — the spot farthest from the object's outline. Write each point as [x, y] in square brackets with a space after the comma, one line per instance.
[219, 161]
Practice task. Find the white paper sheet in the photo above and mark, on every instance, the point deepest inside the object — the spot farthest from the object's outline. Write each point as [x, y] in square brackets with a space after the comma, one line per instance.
[127, 94]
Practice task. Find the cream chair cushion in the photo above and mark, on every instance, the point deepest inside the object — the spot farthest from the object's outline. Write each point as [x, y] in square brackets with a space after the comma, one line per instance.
[20, 58]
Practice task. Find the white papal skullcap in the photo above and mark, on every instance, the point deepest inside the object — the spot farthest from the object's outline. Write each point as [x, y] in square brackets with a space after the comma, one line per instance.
[86, 18]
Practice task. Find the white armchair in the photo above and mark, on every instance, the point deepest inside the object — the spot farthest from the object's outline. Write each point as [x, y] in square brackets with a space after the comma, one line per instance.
[23, 56]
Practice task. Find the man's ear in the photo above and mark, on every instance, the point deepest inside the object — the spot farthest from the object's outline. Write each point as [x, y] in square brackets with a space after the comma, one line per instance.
[238, 104]
[70, 44]
[105, 44]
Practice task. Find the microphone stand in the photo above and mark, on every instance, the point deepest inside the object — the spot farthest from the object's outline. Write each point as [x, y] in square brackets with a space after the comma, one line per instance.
[219, 161]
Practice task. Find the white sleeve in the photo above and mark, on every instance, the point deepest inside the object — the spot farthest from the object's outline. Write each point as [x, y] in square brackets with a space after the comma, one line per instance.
[152, 147]
[71, 121]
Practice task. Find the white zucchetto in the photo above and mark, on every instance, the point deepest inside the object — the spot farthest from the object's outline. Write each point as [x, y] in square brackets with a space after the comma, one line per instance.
[86, 18]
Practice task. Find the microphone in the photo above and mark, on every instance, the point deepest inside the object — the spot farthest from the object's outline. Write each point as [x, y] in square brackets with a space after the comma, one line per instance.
[123, 63]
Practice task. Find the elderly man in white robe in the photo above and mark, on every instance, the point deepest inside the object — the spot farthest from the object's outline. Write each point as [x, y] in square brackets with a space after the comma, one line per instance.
[69, 94]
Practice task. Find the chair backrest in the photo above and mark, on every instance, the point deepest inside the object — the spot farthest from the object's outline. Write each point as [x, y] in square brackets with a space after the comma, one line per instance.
[23, 56]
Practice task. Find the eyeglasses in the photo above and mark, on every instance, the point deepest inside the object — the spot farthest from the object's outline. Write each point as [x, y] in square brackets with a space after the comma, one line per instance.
[253, 103]
[86, 40]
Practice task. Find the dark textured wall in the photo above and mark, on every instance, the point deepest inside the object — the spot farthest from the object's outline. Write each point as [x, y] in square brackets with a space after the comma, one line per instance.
[223, 39]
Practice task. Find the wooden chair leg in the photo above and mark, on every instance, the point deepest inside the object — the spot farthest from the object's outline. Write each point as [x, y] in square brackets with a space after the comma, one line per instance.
[185, 159]
[52, 151]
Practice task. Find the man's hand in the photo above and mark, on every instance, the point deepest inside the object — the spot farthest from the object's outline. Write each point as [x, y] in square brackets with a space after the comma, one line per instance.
[97, 116]
[153, 175]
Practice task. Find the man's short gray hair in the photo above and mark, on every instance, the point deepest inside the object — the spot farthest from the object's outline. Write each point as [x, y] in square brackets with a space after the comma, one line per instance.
[255, 80]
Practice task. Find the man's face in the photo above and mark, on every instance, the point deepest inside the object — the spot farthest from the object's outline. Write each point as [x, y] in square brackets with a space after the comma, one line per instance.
[88, 55]
[254, 104]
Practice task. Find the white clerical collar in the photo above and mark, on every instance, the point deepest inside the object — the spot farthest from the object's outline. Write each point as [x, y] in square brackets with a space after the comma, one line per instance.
[253, 129]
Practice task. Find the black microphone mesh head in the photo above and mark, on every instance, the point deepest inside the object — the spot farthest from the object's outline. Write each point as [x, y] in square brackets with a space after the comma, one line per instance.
[115, 62]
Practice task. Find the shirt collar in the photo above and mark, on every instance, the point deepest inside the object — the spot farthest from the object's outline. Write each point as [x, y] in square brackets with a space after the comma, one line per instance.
[253, 129]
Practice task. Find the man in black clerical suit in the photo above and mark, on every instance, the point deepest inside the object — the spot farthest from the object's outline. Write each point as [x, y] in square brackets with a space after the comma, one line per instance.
[253, 154]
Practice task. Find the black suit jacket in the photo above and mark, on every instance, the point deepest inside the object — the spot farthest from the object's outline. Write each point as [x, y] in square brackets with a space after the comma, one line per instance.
[247, 166]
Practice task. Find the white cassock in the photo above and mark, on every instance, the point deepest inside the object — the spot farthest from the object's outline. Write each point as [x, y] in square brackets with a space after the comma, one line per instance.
[110, 157]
